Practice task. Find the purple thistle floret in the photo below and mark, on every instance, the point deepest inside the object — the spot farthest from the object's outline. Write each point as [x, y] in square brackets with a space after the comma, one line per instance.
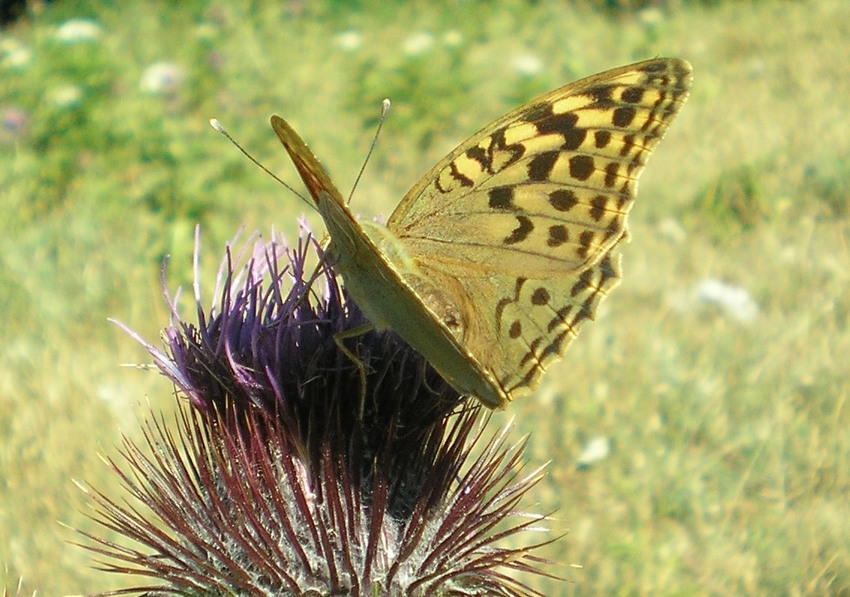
[287, 477]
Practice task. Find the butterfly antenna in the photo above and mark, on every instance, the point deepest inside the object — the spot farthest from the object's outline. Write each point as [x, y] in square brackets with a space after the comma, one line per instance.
[214, 122]
[385, 107]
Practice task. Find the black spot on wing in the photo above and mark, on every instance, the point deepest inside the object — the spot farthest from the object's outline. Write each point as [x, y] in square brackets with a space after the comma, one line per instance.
[515, 330]
[573, 139]
[601, 96]
[540, 166]
[602, 139]
[540, 297]
[623, 116]
[516, 151]
[583, 283]
[585, 240]
[597, 207]
[611, 171]
[478, 154]
[606, 270]
[633, 95]
[556, 123]
[555, 347]
[558, 235]
[532, 353]
[502, 198]
[628, 145]
[560, 318]
[581, 167]
[464, 180]
[563, 199]
[521, 232]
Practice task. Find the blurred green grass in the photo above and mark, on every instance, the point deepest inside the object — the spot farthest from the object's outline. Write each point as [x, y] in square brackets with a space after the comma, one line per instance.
[729, 473]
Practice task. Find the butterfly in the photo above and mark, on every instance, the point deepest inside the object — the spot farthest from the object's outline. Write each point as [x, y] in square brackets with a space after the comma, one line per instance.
[491, 263]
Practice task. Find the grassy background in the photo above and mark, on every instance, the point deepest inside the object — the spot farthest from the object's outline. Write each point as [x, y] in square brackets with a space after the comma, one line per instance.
[730, 470]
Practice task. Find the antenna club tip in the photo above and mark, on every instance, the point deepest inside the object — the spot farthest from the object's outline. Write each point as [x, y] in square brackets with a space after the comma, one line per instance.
[214, 122]
[385, 105]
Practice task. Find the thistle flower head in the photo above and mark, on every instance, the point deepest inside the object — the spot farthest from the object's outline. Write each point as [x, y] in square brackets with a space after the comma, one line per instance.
[288, 476]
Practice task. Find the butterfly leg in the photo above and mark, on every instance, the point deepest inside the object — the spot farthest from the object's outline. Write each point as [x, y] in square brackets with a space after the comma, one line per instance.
[339, 338]
[361, 368]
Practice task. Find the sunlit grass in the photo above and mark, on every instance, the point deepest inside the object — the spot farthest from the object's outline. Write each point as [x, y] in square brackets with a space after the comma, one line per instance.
[729, 470]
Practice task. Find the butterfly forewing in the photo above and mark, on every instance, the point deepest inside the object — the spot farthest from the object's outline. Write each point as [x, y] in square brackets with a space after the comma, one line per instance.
[315, 177]
[545, 189]
[526, 213]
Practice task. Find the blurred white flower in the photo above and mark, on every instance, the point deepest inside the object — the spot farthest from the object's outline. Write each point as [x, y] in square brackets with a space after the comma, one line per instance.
[734, 301]
[418, 43]
[77, 30]
[452, 38]
[66, 96]
[527, 65]
[162, 78]
[672, 230]
[15, 54]
[595, 450]
[349, 41]
[650, 17]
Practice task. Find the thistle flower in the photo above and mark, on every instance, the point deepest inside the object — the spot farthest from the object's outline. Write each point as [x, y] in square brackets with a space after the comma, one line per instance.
[286, 476]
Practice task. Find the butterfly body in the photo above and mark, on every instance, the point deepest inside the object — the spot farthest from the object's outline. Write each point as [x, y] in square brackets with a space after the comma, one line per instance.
[494, 259]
